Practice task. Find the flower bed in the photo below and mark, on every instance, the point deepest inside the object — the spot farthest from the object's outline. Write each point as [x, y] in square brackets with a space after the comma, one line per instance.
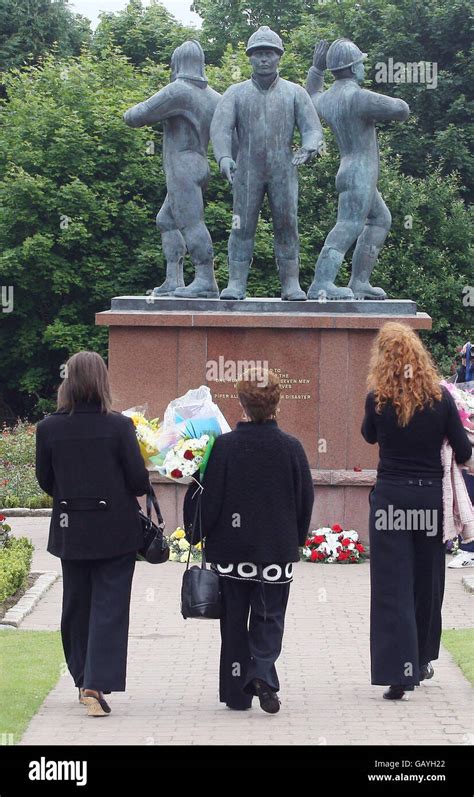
[18, 485]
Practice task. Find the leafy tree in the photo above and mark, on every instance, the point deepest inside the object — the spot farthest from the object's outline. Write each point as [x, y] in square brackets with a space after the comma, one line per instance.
[440, 128]
[29, 28]
[233, 21]
[78, 192]
[141, 32]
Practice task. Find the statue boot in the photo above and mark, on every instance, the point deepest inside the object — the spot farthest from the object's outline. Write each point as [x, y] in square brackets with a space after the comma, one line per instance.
[323, 288]
[174, 279]
[204, 285]
[289, 277]
[238, 275]
[363, 262]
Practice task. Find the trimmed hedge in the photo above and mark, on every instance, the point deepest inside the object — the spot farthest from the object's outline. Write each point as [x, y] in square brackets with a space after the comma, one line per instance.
[15, 563]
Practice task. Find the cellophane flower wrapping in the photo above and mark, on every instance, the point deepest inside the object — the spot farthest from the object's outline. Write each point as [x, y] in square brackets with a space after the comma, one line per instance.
[463, 395]
[190, 426]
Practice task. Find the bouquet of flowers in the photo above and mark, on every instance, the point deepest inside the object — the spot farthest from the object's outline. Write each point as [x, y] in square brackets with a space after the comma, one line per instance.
[179, 547]
[335, 544]
[147, 432]
[191, 425]
[463, 395]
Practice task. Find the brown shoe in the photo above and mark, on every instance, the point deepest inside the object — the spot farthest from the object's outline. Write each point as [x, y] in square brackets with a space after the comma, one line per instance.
[96, 704]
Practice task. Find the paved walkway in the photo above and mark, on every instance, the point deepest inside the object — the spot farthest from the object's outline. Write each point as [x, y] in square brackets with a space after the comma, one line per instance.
[324, 671]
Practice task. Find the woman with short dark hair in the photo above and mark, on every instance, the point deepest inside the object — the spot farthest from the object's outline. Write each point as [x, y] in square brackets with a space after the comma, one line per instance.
[88, 459]
[409, 414]
[256, 509]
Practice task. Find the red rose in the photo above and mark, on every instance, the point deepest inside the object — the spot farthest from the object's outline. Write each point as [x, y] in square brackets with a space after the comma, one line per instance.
[176, 473]
[360, 547]
[346, 542]
[314, 556]
[318, 539]
[337, 528]
[2, 518]
[188, 454]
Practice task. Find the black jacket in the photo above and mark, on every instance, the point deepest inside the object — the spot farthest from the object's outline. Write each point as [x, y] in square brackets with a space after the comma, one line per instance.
[83, 459]
[258, 496]
[415, 449]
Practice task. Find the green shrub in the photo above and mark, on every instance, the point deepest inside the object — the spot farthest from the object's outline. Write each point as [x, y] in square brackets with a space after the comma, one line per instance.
[15, 563]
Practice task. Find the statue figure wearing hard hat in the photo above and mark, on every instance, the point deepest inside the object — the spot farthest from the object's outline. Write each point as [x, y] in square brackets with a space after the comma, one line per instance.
[362, 216]
[185, 107]
[264, 111]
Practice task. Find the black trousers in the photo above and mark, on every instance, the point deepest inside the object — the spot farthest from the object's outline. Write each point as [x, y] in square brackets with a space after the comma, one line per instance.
[407, 573]
[250, 645]
[95, 620]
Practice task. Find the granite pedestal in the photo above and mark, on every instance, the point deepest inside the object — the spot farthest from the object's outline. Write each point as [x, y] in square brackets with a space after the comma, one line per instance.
[161, 347]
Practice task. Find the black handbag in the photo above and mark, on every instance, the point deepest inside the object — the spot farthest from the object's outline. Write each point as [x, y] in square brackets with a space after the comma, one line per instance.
[155, 549]
[200, 592]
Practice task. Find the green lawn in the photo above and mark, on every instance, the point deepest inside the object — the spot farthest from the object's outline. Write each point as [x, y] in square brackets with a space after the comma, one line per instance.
[460, 644]
[30, 665]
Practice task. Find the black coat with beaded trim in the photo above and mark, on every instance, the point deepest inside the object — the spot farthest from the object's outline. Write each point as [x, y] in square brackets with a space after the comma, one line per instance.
[257, 499]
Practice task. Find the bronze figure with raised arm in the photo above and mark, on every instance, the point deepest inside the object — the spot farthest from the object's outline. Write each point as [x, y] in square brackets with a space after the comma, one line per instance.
[363, 217]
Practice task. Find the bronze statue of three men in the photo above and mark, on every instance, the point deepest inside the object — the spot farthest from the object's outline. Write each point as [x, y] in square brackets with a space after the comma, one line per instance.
[251, 128]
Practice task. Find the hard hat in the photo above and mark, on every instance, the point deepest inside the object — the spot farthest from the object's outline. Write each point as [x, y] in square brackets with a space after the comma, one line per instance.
[343, 53]
[265, 37]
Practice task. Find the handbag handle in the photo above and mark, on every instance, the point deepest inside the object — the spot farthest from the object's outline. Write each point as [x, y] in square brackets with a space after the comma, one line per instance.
[197, 514]
[151, 500]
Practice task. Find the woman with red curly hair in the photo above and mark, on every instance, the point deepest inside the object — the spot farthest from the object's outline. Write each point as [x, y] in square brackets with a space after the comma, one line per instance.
[409, 414]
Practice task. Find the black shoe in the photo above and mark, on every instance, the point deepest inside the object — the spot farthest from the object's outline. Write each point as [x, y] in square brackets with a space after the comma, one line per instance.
[269, 701]
[426, 672]
[394, 693]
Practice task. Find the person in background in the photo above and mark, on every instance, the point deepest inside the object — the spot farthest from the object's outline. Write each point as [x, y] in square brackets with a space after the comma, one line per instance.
[408, 413]
[88, 459]
[256, 509]
[465, 373]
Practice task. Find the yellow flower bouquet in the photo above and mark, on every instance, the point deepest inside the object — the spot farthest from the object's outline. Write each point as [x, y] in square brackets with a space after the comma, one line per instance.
[179, 547]
[147, 432]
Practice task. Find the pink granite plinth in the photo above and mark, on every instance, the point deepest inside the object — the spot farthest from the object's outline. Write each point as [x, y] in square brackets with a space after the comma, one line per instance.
[322, 361]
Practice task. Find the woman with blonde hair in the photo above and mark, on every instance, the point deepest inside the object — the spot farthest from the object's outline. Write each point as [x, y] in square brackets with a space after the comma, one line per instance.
[256, 509]
[409, 414]
[88, 459]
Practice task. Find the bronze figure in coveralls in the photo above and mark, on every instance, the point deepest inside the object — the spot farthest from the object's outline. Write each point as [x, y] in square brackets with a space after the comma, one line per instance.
[362, 217]
[264, 112]
[185, 107]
